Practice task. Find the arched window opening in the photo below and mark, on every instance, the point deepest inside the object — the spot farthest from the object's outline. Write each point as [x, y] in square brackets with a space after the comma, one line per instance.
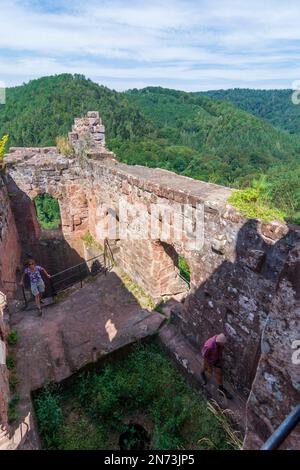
[184, 269]
[48, 212]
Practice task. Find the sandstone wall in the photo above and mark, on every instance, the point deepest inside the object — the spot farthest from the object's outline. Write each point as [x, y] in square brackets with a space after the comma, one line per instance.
[9, 263]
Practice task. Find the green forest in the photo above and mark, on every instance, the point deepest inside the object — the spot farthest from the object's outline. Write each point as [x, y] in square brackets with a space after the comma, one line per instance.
[236, 138]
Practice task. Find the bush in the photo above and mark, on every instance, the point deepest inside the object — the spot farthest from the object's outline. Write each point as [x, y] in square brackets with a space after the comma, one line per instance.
[64, 146]
[3, 143]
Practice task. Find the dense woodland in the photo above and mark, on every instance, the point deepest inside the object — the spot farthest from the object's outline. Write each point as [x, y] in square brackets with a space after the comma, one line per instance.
[192, 134]
[275, 106]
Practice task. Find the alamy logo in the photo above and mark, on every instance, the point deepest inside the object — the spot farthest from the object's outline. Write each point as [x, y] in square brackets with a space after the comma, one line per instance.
[180, 223]
[296, 353]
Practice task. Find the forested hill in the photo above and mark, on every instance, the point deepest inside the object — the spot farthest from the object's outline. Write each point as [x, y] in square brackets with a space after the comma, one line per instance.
[192, 135]
[275, 106]
[40, 111]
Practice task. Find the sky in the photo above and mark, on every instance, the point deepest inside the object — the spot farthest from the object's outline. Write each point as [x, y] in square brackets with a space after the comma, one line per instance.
[189, 45]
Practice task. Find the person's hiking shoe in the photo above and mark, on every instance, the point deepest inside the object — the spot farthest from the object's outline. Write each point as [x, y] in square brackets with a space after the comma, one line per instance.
[225, 392]
[40, 312]
[203, 376]
[42, 301]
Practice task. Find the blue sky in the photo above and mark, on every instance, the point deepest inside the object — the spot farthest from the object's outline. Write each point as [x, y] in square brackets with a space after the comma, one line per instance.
[184, 44]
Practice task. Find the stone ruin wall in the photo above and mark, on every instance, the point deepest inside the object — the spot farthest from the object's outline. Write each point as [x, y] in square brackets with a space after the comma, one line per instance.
[9, 263]
[234, 277]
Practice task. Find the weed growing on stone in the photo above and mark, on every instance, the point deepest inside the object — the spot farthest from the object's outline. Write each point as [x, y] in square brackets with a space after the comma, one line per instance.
[64, 147]
[10, 361]
[145, 386]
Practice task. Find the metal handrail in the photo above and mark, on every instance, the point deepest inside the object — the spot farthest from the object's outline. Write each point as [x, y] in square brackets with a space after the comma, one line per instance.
[283, 431]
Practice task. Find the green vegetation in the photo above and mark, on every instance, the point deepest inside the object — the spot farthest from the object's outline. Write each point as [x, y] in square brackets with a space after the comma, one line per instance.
[255, 202]
[50, 417]
[95, 411]
[184, 269]
[90, 242]
[47, 210]
[12, 338]
[138, 293]
[10, 361]
[274, 106]
[191, 134]
[3, 143]
[64, 146]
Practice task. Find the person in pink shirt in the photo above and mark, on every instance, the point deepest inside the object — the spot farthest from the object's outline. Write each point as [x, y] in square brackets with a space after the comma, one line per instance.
[212, 355]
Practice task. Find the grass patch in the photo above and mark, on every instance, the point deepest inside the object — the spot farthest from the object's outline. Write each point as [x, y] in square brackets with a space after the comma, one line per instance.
[94, 411]
[90, 242]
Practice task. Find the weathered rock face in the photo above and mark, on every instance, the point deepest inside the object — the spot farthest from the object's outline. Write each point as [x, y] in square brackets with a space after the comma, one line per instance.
[235, 263]
[276, 389]
[9, 263]
[236, 297]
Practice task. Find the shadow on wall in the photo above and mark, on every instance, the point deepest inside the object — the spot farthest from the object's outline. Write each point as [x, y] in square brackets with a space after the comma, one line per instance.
[48, 247]
[236, 299]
